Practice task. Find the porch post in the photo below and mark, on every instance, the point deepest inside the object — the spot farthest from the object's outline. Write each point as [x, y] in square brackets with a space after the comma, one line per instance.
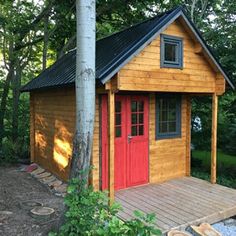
[111, 146]
[214, 137]
[188, 136]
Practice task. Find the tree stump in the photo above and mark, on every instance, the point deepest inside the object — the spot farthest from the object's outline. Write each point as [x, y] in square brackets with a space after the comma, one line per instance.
[177, 233]
[42, 213]
[204, 229]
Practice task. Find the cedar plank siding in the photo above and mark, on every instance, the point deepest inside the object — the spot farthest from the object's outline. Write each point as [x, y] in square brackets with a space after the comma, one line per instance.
[52, 130]
[143, 72]
[167, 157]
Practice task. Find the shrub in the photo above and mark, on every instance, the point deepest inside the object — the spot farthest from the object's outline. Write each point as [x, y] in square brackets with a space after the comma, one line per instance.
[12, 151]
[88, 213]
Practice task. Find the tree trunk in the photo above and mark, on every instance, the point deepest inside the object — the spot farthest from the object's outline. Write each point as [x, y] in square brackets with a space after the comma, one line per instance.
[84, 88]
[3, 104]
[16, 84]
[45, 42]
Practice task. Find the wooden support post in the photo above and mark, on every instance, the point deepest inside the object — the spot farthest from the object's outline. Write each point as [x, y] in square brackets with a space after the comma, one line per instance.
[188, 137]
[214, 137]
[111, 146]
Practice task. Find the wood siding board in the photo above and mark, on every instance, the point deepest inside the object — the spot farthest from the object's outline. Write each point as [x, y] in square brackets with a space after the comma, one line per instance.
[167, 157]
[54, 123]
[144, 72]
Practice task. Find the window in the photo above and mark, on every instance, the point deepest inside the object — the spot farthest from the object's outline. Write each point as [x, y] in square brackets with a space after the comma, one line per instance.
[168, 116]
[171, 52]
[137, 118]
[118, 119]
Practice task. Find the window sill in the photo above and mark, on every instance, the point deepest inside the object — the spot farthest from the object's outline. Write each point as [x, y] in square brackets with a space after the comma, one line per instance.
[170, 136]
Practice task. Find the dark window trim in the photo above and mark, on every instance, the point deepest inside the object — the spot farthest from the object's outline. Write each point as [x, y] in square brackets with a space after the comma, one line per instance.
[177, 41]
[178, 133]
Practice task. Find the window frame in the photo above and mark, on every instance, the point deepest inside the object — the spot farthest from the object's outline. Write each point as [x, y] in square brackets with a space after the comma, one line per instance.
[178, 132]
[178, 41]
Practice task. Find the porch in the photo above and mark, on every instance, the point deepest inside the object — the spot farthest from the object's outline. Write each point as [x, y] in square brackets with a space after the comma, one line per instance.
[179, 203]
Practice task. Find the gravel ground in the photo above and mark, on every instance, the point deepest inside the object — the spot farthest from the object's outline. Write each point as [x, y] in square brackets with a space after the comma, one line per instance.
[227, 227]
[17, 187]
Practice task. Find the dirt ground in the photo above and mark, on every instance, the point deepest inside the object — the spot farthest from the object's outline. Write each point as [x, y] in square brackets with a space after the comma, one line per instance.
[16, 187]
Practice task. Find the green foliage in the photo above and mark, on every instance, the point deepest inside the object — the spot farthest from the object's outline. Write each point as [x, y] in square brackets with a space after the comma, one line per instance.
[226, 164]
[221, 179]
[88, 213]
[230, 145]
[12, 151]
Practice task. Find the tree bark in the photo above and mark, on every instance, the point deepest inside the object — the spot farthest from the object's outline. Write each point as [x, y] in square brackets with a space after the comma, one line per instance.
[3, 104]
[84, 88]
[16, 84]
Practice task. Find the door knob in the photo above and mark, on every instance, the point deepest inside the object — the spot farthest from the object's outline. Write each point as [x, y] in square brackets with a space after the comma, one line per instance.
[129, 138]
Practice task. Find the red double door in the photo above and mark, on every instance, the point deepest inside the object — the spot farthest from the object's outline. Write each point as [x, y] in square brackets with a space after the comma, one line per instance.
[131, 141]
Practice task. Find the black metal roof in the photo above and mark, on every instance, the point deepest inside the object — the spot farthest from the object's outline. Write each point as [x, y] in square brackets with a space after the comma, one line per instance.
[112, 53]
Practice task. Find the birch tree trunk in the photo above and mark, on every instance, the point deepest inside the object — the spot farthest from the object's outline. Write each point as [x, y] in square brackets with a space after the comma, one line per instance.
[84, 88]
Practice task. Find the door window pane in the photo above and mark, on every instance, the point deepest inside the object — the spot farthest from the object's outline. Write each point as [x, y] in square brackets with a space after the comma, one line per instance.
[133, 106]
[141, 130]
[134, 131]
[118, 132]
[134, 119]
[137, 118]
[118, 106]
[118, 119]
[140, 106]
[140, 118]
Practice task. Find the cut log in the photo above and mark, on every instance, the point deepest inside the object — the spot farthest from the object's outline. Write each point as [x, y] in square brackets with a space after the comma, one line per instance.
[42, 213]
[39, 170]
[177, 233]
[204, 230]
[43, 175]
[28, 205]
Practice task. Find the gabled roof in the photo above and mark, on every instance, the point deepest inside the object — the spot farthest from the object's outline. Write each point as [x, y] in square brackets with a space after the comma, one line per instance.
[114, 51]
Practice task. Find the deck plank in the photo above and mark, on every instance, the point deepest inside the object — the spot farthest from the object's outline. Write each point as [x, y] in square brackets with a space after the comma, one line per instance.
[180, 202]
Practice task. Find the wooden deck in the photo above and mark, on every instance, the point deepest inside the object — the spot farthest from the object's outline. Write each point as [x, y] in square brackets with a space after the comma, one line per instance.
[179, 203]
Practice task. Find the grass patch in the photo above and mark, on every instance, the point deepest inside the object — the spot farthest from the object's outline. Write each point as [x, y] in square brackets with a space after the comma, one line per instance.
[222, 180]
[226, 167]
[222, 158]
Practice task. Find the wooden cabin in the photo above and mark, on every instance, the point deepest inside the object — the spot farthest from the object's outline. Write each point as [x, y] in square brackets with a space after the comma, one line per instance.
[145, 78]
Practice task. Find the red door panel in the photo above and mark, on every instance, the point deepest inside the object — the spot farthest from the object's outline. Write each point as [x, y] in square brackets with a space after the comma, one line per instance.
[131, 141]
[137, 127]
[120, 142]
[104, 128]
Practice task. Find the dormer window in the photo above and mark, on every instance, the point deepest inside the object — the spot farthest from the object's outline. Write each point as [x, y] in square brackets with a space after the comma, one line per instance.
[171, 52]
